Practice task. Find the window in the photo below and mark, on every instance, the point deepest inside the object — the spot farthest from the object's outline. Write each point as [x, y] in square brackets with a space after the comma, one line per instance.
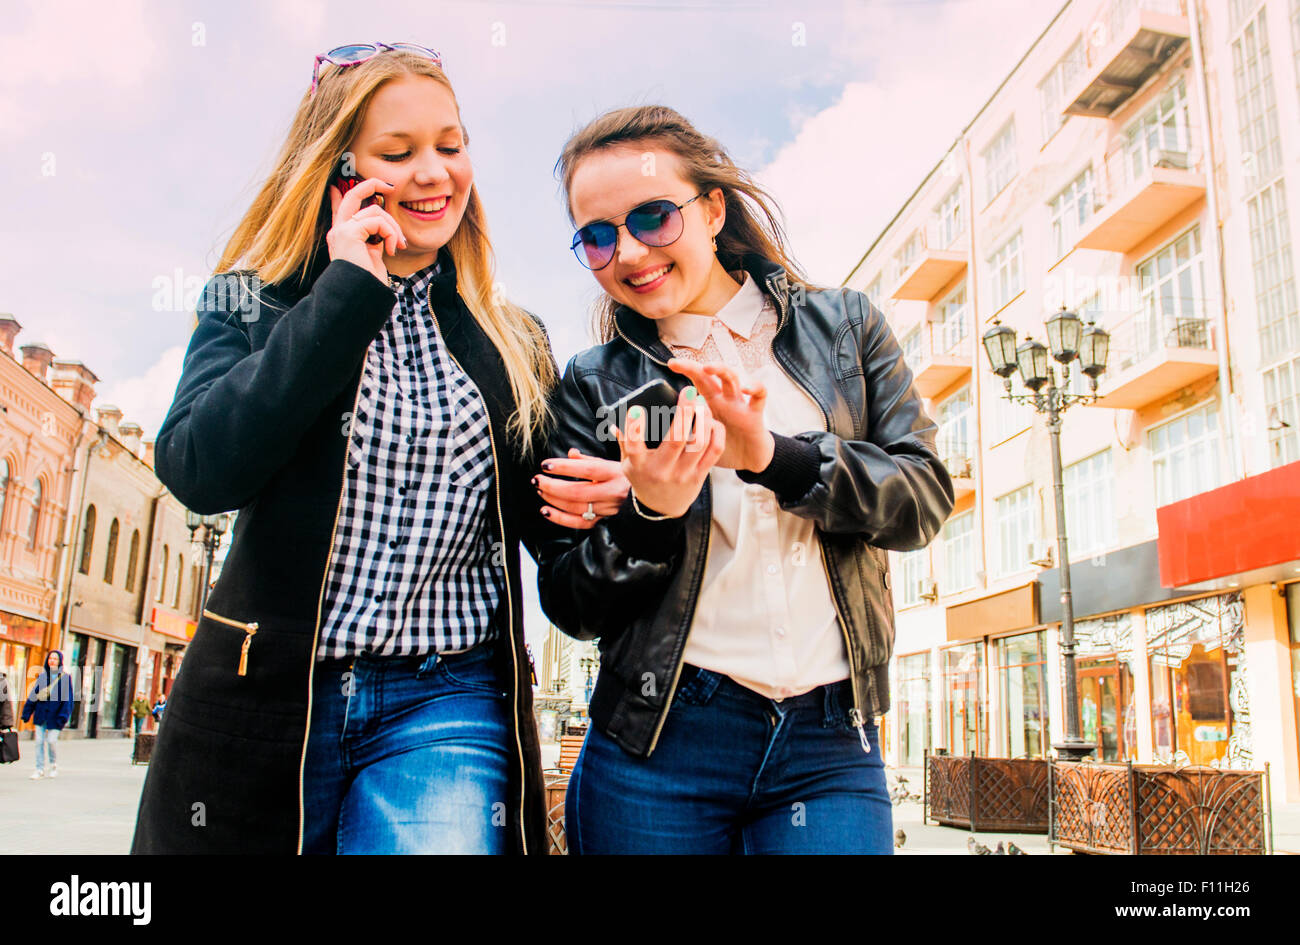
[1089, 505]
[1282, 408]
[1270, 252]
[905, 256]
[1000, 162]
[1022, 672]
[34, 522]
[965, 727]
[1070, 209]
[914, 708]
[131, 563]
[1053, 88]
[1252, 75]
[1171, 285]
[873, 292]
[162, 573]
[914, 570]
[911, 345]
[1009, 417]
[959, 553]
[954, 322]
[180, 574]
[949, 221]
[196, 581]
[954, 439]
[1161, 134]
[4, 491]
[87, 540]
[1185, 454]
[110, 559]
[1014, 514]
[1006, 272]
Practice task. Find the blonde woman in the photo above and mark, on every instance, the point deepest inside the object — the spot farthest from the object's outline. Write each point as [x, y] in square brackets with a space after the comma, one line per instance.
[358, 681]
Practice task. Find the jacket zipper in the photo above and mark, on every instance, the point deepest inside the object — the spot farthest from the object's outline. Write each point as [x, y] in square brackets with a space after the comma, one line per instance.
[699, 572]
[855, 713]
[320, 599]
[514, 657]
[248, 628]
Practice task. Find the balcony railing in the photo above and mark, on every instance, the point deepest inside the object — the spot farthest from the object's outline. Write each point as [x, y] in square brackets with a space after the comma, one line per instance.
[1122, 49]
[937, 365]
[1154, 355]
[934, 264]
[956, 458]
[1136, 192]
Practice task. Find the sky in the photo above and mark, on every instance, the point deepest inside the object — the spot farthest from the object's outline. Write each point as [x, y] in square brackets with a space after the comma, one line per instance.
[135, 134]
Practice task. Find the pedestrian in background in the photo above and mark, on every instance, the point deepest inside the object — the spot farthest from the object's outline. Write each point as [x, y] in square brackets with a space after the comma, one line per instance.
[49, 706]
[9, 750]
[159, 707]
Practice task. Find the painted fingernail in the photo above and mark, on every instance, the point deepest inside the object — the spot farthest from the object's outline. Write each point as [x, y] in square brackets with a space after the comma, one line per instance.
[534, 480]
[691, 393]
[634, 413]
[546, 466]
[546, 512]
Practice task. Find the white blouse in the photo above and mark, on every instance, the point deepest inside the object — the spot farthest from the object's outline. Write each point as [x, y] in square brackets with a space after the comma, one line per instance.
[765, 615]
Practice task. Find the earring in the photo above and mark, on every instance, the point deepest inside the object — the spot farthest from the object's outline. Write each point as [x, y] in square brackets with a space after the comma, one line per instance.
[715, 244]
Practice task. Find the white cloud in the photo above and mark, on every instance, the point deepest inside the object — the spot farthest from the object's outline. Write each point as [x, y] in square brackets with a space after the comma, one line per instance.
[853, 165]
[145, 398]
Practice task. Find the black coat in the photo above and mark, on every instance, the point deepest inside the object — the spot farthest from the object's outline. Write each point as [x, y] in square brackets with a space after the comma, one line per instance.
[260, 423]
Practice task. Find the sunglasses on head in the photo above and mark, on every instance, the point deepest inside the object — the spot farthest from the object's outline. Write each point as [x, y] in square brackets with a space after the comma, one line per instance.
[356, 53]
[656, 223]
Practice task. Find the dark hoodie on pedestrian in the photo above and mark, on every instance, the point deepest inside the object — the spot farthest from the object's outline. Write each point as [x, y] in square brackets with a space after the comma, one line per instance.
[49, 702]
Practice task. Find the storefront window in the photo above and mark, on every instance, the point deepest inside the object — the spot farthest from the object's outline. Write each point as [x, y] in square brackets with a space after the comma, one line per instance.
[76, 658]
[1022, 673]
[1198, 693]
[13, 663]
[1104, 671]
[965, 725]
[914, 708]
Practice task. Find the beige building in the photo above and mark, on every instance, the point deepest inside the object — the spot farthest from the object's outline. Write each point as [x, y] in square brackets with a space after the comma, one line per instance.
[1133, 166]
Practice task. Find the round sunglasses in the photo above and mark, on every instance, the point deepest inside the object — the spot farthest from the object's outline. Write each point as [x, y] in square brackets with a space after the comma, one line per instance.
[356, 53]
[655, 223]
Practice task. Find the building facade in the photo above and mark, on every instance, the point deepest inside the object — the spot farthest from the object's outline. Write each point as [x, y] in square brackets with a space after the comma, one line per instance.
[1133, 167]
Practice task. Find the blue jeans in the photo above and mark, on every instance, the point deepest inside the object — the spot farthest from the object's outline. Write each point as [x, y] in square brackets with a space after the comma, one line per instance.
[735, 772]
[46, 738]
[408, 755]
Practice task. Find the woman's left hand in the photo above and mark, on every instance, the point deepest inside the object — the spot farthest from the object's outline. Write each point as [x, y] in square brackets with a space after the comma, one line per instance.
[604, 487]
[739, 408]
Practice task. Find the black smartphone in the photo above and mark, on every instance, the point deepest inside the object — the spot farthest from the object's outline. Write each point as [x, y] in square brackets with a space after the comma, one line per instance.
[345, 183]
[657, 399]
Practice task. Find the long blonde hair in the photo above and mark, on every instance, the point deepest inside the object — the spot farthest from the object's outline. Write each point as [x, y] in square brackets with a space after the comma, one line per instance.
[752, 225]
[273, 241]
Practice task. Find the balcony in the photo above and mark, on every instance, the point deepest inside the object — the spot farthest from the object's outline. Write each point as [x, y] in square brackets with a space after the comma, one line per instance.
[938, 362]
[1153, 357]
[1123, 48]
[962, 470]
[1136, 194]
[935, 264]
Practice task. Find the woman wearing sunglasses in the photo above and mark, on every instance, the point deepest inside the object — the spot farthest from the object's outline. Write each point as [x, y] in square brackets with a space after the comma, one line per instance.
[740, 597]
[358, 681]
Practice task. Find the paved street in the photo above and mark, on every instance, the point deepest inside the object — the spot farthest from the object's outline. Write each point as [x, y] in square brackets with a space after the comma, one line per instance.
[90, 808]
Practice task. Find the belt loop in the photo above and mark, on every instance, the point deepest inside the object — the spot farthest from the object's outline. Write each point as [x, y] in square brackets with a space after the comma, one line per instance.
[427, 666]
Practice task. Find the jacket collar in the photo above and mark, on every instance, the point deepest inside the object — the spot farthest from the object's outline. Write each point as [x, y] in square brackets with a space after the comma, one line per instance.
[644, 333]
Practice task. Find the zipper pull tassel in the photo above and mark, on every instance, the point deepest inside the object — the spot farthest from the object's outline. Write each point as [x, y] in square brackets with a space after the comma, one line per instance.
[243, 650]
[855, 716]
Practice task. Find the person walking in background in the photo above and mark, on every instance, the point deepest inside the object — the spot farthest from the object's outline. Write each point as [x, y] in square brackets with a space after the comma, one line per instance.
[49, 706]
[6, 706]
[159, 707]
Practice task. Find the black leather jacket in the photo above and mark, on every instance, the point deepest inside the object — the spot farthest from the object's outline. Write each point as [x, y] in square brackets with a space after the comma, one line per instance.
[871, 481]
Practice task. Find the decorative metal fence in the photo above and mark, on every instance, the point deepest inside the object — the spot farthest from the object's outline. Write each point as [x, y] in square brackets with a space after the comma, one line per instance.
[1007, 795]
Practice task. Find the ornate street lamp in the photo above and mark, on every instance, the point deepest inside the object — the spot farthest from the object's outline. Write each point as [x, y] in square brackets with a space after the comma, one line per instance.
[214, 526]
[1069, 340]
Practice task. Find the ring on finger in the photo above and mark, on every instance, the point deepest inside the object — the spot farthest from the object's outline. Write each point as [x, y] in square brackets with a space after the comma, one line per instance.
[590, 514]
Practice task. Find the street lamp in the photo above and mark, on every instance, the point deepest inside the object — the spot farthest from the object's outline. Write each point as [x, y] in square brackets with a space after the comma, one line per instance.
[214, 526]
[1069, 340]
[589, 663]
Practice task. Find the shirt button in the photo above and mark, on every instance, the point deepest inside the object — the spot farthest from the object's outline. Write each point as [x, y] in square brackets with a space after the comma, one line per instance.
[401, 490]
[393, 543]
[772, 569]
[779, 631]
[408, 360]
[410, 438]
[379, 597]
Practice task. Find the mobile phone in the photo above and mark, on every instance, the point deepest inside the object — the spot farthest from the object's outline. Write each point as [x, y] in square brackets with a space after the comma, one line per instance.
[345, 183]
[657, 399]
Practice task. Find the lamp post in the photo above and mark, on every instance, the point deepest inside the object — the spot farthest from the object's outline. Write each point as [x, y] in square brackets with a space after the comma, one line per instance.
[589, 663]
[214, 526]
[1070, 340]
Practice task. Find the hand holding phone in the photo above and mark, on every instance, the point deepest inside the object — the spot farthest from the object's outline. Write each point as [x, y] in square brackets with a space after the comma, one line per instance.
[657, 399]
[350, 235]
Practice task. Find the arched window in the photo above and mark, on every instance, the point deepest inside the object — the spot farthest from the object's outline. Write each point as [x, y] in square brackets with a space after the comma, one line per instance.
[180, 573]
[131, 564]
[110, 559]
[87, 540]
[4, 490]
[162, 573]
[35, 520]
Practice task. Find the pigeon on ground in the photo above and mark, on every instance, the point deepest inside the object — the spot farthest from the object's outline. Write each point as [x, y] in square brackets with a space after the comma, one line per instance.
[999, 851]
[1014, 850]
[900, 838]
[976, 848]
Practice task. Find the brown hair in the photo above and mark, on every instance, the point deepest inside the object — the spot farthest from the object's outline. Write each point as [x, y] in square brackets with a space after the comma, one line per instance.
[752, 223]
[273, 241]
